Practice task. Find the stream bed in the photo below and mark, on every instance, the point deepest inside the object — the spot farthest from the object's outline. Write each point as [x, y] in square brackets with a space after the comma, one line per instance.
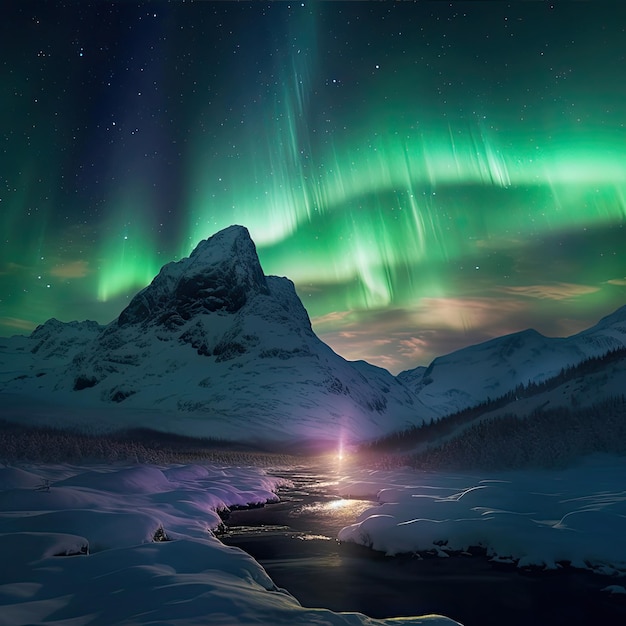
[295, 541]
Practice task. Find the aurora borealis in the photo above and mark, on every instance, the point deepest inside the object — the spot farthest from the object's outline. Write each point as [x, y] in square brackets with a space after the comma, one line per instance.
[429, 174]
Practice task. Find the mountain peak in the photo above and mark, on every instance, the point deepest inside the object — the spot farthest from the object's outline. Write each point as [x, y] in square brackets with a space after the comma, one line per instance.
[231, 240]
[221, 273]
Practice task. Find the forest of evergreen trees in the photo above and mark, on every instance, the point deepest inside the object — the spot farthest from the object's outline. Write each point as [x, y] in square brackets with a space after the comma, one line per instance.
[546, 437]
[51, 445]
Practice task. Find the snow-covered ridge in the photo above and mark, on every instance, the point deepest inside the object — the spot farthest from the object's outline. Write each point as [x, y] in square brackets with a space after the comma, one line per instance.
[470, 376]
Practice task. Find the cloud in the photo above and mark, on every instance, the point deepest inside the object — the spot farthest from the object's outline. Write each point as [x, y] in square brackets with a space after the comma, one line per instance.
[11, 324]
[75, 269]
[464, 314]
[334, 317]
[382, 342]
[553, 291]
[404, 338]
[417, 348]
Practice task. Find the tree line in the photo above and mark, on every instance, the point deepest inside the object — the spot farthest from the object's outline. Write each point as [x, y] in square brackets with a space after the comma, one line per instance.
[546, 439]
[19, 442]
[416, 435]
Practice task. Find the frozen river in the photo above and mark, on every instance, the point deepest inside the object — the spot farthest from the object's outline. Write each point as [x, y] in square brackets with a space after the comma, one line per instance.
[295, 542]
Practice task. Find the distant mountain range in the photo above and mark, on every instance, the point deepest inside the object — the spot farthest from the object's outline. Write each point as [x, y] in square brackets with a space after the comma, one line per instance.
[491, 369]
[213, 347]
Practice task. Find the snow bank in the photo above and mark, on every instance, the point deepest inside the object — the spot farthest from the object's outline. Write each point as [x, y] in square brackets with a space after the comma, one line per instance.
[84, 546]
[540, 518]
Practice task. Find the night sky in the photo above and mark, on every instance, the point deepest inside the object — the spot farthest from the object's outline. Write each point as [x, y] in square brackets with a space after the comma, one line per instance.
[429, 174]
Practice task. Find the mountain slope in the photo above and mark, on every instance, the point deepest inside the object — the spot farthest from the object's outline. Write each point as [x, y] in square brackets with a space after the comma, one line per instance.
[211, 347]
[488, 370]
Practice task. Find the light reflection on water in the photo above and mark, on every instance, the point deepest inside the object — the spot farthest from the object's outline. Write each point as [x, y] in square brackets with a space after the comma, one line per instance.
[342, 511]
[311, 537]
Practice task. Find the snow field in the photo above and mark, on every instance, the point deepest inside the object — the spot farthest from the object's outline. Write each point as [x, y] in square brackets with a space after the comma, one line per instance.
[80, 546]
[544, 519]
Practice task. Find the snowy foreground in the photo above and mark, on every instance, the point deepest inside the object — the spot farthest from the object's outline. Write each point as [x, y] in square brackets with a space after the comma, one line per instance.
[104, 545]
[84, 546]
[543, 519]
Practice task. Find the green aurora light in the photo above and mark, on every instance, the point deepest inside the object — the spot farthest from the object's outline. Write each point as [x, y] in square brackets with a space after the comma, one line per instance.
[432, 186]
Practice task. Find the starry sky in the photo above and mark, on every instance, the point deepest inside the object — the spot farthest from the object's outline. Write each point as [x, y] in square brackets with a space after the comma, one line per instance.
[429, 174]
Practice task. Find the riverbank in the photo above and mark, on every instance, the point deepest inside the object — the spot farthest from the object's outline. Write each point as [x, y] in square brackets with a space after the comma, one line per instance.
[134, 544]
[295, 541]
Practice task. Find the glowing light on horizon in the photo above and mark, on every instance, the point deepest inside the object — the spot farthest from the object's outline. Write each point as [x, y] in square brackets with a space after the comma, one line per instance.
[340, 452]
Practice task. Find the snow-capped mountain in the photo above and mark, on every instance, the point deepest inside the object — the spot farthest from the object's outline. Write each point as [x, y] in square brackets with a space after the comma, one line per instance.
[211, 347]
[490, 369]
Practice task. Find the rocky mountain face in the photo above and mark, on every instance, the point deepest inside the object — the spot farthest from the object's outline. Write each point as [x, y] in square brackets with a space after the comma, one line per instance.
[489, 370]
[221, 274]
[211, 347]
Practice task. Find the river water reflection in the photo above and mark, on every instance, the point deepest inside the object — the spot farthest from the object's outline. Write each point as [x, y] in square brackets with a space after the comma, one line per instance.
[295, 540]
